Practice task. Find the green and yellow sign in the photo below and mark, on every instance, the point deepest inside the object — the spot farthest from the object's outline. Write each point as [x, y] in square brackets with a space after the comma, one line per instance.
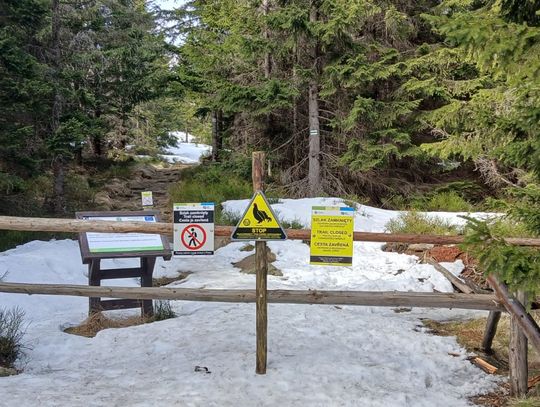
[332, 230]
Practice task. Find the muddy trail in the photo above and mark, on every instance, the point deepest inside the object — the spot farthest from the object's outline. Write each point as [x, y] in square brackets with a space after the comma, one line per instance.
[124, 194]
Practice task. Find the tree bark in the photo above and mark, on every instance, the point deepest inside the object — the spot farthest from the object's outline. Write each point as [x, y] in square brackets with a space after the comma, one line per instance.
[58, 161]
[314, 174]
[216, 134]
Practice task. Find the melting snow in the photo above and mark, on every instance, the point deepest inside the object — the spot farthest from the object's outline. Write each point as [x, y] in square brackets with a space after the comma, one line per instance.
[317, 355]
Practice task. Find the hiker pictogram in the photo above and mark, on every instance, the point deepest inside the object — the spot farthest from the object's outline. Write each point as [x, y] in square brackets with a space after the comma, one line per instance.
[193, 237]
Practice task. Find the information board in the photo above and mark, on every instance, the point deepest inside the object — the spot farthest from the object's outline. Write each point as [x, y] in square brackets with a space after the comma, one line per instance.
[113, 245]
[332, 229]
[193, 229]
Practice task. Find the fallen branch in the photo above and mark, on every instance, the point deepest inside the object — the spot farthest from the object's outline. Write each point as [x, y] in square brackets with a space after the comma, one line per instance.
[514, 307]
[482, 364]
[456, 282]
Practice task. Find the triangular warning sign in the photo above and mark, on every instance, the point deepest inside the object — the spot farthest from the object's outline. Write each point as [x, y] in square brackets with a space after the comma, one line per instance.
[259, 222]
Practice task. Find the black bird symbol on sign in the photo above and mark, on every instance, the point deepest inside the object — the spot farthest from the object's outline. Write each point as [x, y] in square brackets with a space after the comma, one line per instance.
[260, 215]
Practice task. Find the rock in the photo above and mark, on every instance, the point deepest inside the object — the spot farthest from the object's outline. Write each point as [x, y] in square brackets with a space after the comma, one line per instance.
[103, 200]
[247, 265]
[420, 247]
[7, 371]
[221, 241]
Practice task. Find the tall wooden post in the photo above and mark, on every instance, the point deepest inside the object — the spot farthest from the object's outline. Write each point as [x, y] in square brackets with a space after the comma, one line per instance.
[257, 173]
[517, 355]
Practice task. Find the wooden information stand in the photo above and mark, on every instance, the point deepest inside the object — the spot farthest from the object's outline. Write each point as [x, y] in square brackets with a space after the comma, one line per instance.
[99, 246]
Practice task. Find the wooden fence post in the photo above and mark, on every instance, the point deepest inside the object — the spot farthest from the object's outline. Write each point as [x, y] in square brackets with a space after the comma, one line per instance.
[517, 355]
[261, 267]
[491, 330]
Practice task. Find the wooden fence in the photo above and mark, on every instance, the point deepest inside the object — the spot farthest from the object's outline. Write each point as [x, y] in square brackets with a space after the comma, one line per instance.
[523, 325]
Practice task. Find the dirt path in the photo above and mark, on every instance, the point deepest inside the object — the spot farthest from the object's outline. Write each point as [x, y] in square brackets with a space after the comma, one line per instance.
[125, 194]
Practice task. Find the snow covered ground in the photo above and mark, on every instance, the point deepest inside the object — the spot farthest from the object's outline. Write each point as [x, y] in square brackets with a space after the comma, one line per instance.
[318, 355]
[185, 152]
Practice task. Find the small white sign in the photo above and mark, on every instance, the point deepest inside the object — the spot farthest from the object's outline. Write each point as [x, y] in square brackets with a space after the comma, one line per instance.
[193, 229]
[147, 199]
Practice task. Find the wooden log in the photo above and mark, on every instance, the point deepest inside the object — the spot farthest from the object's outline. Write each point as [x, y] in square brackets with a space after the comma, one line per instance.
[261, 273]
[517, 355]
[456, 282]
[78, 225]
[491, 330]
[516, 308]
[367, 298]
[482, 364]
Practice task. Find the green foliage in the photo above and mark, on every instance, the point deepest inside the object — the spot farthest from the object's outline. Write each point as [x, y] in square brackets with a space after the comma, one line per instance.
[214, 183]
[519, 267]
[445, 198]
[293, 224]
[11, 335]
[417, 223]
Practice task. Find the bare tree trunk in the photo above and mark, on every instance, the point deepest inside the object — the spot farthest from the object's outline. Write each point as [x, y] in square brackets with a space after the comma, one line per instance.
[58, 161]
[216, 136]
[314, 175]
[266, 35]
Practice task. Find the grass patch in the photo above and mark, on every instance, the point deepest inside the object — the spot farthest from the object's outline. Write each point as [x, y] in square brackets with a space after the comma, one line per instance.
[528, 402]
[11, 335]
[213, 183]
[98, 322]
[12, 238]
[416, 223]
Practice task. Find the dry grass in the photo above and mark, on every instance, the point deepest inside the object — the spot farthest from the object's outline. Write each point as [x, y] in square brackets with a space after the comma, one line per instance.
[98, 322]
[163, 281]
[469, 334]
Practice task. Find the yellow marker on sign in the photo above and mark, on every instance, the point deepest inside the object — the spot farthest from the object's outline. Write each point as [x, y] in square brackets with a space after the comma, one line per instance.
[332, 230]
[259, 222]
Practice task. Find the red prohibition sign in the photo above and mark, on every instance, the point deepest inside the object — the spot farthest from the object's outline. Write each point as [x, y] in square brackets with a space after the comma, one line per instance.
[191, 239]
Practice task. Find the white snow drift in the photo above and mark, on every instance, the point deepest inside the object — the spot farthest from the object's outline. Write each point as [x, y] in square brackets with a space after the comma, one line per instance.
[318, 355]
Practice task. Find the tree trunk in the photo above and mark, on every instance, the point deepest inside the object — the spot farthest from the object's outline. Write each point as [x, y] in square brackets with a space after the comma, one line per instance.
[58, 162]
[314, 175]
[58, 184]
[216, 136]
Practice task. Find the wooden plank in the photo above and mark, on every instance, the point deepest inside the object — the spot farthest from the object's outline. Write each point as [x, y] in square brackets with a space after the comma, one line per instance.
[491, 330]
[367, 298]
[517, 355]
[111, 274]
[108, 305]
[456, 282]
[261, 274]
[516, 308]
[76, 226]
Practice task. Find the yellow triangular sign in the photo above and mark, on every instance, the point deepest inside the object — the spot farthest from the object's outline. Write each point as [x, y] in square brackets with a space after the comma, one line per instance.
[259, 222]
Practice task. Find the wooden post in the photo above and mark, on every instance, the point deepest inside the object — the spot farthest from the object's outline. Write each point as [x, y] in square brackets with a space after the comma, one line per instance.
[517, 355]
[94, 279]
[261, 267]
[491, 330]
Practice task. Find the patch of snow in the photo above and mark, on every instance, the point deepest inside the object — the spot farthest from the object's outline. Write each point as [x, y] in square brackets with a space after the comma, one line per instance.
[185, 152]
[318, 355]
[367, 218]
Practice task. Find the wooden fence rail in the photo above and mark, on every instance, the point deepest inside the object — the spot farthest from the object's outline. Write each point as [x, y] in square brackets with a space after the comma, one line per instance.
[77, 226]
[367, 298]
